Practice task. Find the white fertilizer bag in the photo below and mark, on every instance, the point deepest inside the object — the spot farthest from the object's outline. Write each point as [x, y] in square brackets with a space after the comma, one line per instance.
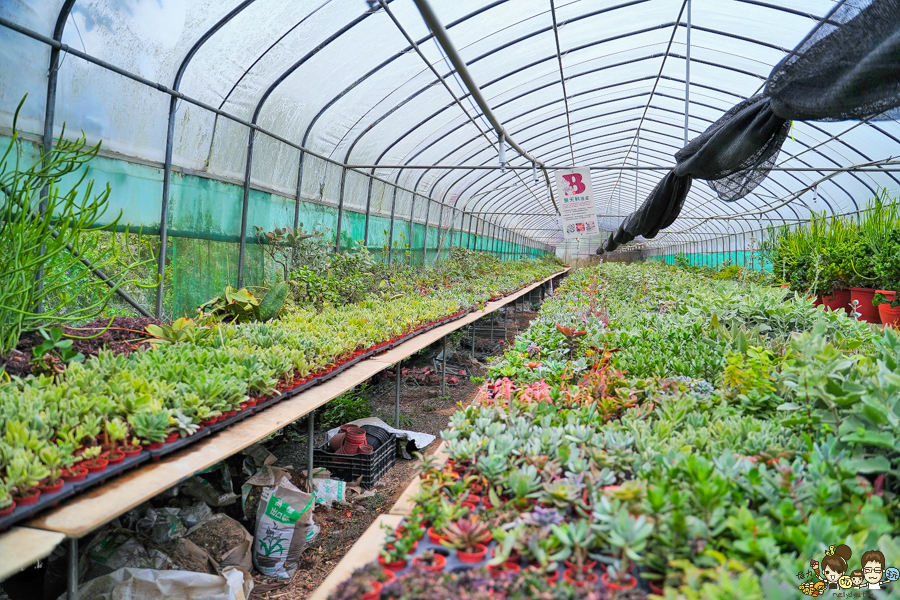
[283, 524]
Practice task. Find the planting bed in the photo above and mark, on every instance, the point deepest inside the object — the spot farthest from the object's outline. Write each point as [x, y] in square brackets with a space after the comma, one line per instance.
[655, 428]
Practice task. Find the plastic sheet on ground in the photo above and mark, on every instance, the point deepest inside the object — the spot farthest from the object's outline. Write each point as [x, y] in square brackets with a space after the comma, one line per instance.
[150, 584]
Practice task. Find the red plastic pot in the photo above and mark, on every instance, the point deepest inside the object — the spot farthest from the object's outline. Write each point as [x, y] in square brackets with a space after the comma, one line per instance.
[337, 441]
[632, 582]
[473, 557]
[209, 422]
[589, 577]
[114, 457]
[656, 589]
[553, 577]
[439, 562]
[154, 446]
[349, 449]
[29, 496]
[889, 316]
[397, 565]
[838, 300]
[588, 566]
[375, 594]
[47, 488]
[507, 567]
[8, 510]
[230, 413]
[389, 578]
[74, 474]
[864, 296]
[366, 449]
[97, 465]
[129, 451]
[171, 437]
[434, 536]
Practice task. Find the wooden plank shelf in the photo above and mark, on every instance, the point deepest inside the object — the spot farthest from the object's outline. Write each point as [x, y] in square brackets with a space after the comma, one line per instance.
[21, 547]
[85, 513]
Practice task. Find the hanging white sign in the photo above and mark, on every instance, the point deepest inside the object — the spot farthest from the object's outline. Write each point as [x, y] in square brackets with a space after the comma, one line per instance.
[575, 199]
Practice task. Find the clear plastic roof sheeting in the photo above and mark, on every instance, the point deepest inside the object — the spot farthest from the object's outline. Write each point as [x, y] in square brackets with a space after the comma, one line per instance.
[341, 79]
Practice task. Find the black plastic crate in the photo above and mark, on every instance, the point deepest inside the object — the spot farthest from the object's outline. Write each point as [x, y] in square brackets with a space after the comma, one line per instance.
[371, 467]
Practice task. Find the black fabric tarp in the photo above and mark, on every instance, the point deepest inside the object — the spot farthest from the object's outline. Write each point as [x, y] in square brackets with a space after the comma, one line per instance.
[849, 68]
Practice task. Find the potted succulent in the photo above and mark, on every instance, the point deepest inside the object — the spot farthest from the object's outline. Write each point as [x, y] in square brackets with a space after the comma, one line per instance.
[430, 560]
[92, 461]
[627, 535]
[24, 472]
[395, 555]
[888, 307]
[468, 537]
[56, 458]
[131, 449]
[7, 504]
[151, 426]
[576, 538]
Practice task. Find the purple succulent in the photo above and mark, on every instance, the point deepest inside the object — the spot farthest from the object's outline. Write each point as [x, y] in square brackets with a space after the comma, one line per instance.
[533, 349]
[543, 517]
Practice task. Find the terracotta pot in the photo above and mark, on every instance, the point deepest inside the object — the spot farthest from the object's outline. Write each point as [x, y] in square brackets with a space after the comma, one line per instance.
[507, 567]
[29, 496]
[47, 488]
[375, 594]
[838, 300]
[434, 536]
[74, 473]
[588, 577]
[618, 586]
[439, 562]
[472, 557]
[8, 510]
[172, 437]
[397, 565]
[129, 451]
[868, 313]
[889, 316]
[97, 465]
[154, 446]
[588, 566]
[337, 441]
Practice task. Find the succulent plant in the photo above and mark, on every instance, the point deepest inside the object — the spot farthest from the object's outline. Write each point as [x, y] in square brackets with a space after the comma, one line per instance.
[465, 533]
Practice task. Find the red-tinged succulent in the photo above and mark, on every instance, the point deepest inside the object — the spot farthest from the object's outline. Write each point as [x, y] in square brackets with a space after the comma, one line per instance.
[465, 533]
[570, 332]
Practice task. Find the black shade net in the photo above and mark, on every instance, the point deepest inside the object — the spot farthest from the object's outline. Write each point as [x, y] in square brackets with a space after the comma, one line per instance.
[848, 68]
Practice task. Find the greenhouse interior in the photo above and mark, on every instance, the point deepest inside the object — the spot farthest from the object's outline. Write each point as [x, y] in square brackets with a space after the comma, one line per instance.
[432, 299]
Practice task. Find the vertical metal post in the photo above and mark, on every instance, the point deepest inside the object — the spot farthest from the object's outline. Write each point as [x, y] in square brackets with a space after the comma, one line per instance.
[310, 445]
[391, 233]
[425, 241]
[245, 210]
[340, 217]
[399, 380]
[72, 571]
[412, 221]
[687, 75]
[368, 212]
[444, 366]
[299, 187]
[637, 163]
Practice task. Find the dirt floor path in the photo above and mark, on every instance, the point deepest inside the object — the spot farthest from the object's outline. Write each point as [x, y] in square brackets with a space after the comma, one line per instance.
[422, 409]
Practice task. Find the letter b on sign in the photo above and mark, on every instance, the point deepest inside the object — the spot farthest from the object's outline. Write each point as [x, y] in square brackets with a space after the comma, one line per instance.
[574, 180]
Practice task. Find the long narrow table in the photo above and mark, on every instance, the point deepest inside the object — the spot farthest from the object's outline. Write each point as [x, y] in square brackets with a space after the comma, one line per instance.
[85, 513]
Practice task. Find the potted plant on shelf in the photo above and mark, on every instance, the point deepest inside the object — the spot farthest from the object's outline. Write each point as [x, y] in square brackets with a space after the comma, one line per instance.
[627, 536]
[7, 504]
[576, 538]
[431, 560]
[150, 426]
[56, 458]
[395, 555]
[92, 461]
[888, 307]
[468, 537]
[24, 472]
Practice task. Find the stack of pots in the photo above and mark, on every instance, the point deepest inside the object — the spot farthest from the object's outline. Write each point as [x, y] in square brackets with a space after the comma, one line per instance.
[350, 441]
